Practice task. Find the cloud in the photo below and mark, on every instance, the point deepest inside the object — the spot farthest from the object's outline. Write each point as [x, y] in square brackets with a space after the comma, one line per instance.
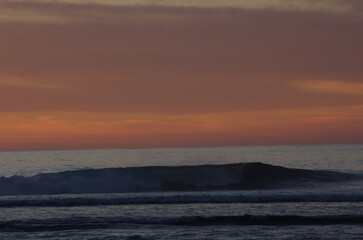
[179, 73]
[70, 11]
[27, 84]
[339, 87]
[174, 60]
[304, 5]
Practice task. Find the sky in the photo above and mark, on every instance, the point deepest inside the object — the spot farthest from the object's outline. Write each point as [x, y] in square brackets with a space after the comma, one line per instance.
[176, 73]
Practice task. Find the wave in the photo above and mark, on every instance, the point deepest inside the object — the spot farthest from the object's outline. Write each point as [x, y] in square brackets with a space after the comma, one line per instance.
[270, 220]
[73, 223]
[185, 198]
[240, 176]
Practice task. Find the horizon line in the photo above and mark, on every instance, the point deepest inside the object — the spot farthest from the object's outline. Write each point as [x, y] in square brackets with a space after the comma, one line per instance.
[202, 146]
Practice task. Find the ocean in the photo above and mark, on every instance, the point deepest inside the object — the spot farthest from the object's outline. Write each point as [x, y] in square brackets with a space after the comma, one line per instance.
[249, 192]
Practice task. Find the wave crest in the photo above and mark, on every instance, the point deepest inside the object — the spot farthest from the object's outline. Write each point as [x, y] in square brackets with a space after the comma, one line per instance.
[238, 176]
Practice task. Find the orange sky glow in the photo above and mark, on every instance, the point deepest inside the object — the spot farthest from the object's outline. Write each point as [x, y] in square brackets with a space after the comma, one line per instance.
[114, 74]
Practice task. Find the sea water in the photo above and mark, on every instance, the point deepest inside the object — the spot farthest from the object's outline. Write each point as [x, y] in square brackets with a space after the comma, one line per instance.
[113, 194]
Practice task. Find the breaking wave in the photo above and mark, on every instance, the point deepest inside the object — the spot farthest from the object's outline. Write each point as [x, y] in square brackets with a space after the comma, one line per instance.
[241, 176]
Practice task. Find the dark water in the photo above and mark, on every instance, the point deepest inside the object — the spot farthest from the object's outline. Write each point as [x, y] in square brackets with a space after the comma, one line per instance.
[232, 198]
[181, 221]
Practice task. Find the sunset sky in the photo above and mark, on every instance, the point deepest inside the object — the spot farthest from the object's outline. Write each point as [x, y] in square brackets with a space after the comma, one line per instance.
[168, 73]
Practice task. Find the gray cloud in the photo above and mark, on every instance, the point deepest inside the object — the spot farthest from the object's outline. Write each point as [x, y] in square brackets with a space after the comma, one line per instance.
[175, 59]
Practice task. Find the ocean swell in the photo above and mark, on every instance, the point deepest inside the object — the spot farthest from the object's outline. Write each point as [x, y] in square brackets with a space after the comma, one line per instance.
[61, 224]
[174, 198]
[241, 176]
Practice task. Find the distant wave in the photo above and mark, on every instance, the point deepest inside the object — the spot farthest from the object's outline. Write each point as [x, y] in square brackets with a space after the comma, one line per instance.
[61, 224]
[241, 176]
[269, 220]
[175, 198]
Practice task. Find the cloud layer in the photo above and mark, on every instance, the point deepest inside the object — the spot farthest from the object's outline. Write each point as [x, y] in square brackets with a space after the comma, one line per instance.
[178, 58]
